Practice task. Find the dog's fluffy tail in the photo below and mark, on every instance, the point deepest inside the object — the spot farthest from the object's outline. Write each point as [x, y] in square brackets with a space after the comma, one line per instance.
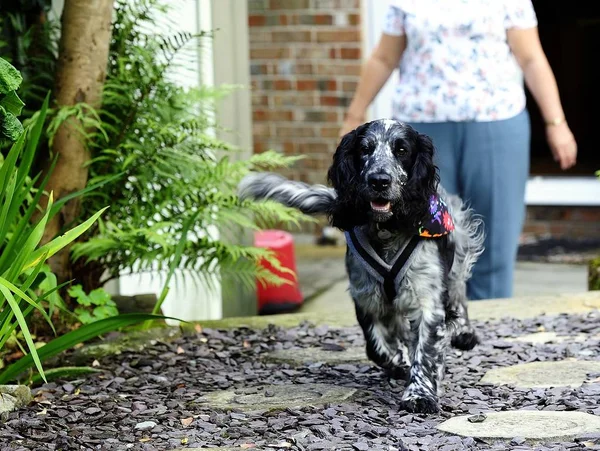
[309, 199]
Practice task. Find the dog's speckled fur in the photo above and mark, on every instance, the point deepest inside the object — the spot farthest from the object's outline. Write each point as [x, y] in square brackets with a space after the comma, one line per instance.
[410, 335]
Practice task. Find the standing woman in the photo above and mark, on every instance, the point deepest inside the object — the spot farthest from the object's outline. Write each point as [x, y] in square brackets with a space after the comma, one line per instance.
[461, 65]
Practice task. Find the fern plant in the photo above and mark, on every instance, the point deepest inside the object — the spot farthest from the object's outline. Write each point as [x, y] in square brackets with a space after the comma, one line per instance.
[161, 166]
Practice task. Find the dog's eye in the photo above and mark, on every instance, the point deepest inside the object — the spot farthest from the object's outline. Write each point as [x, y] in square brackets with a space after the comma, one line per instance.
[365, 150]
[400, 150]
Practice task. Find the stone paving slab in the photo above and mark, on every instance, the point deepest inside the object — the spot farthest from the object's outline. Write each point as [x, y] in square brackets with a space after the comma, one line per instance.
[528, 424]
[317, 355]
[341, 313]
[567, 373]
[547, 337]
[275, 397]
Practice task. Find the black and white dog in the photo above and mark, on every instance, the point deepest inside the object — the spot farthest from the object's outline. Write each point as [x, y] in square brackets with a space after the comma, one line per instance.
[411, 248]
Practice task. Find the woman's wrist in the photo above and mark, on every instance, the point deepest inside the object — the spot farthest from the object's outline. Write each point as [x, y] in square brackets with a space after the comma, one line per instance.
[558, 120]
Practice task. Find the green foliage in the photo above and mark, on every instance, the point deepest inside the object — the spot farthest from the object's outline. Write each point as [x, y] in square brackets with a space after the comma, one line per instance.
[10, 103]
[22, 259]
[156, 138]
[93, 306]
[157, 161]
[70, 339]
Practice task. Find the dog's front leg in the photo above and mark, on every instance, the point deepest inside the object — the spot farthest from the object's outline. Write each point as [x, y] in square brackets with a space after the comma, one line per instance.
[427, 348]
[381, 343]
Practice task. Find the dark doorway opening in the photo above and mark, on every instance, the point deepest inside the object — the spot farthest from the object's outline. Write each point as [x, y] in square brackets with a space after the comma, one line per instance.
[570, 35]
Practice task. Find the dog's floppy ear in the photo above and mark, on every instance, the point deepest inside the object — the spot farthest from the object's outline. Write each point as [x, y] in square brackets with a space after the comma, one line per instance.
[343, 177]
[423, 179]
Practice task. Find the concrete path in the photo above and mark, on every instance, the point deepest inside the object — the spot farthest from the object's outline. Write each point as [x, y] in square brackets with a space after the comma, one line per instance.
[531, 279]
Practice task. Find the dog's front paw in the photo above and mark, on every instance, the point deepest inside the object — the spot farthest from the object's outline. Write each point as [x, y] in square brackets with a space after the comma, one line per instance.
[420, 404]
[465, 341]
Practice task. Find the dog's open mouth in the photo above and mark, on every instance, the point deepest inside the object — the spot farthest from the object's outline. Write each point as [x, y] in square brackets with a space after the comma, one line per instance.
[381, 206]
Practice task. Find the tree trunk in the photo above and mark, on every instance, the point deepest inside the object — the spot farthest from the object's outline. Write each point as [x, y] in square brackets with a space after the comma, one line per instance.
[80, 75]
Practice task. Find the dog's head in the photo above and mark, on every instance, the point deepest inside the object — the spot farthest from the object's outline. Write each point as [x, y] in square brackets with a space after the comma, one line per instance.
[383, 172]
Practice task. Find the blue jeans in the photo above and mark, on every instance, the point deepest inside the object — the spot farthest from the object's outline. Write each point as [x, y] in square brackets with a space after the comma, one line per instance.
[487, 164]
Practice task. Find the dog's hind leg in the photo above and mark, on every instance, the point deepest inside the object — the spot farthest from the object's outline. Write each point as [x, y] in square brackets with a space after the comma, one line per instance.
[463, 335]
[427, 348]
[381, 344]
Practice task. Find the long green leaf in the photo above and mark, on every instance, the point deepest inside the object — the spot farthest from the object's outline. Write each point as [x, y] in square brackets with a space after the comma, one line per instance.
[70, 339]
[27, 299]
[176, 261]
[58, 243]
[33, 139]
[33, 355]
[27, 251]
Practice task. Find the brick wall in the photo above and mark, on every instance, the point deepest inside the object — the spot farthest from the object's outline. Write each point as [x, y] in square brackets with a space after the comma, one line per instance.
[305, 61]
[562, 222]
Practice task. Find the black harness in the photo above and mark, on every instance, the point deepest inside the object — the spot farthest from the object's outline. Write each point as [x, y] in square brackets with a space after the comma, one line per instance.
[391, 274]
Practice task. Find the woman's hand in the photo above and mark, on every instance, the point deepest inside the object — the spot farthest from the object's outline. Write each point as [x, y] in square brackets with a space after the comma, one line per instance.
[563, 144]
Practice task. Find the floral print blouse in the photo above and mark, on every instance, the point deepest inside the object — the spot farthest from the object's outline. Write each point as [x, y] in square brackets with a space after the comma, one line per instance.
[457, 65]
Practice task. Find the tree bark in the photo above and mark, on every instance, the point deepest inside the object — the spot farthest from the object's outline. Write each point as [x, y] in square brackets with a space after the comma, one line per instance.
[80, 75]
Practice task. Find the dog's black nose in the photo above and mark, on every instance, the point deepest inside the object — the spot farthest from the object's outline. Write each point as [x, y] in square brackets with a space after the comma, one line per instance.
[379, 182]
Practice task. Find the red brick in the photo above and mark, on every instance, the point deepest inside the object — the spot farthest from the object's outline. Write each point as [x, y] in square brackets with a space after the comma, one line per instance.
[261, 129]
[270, 53]
[289, 4]
[335, 68]
[313, 52]
[258, 69]
[259, 146]
[323, 19]
[536, 228]
[293, 99]
[260, 100]
[272, 115]
[282, 85]
[330, 131]
[321, 116]
[343, 35]
[333, 53]
[349, 86]
[350, 53]
[335, 101]
[327, 85]
[306, 85]
[256, 20]
[354, 19]
[291, 36]
[297, 131]
[289, 148]
[259, 35]
[585, 215]
[317, 150]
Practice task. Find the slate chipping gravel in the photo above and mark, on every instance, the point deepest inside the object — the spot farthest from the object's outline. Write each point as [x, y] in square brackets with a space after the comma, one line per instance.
[161, 391]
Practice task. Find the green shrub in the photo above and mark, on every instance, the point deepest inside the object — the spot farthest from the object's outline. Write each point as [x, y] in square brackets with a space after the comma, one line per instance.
[10, 103]
[22, 259]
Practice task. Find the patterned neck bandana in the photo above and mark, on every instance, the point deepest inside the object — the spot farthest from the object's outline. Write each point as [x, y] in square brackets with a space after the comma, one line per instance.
[440, 222]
